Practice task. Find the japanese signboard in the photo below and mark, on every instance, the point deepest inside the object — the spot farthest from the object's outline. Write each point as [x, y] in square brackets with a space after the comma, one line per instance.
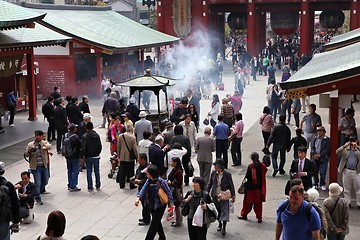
[10, 65]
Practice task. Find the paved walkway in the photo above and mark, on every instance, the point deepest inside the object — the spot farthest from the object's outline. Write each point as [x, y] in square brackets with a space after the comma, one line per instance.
[110, 213]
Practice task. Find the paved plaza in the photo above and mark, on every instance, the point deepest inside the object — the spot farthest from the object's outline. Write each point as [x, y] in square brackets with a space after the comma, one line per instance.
[110, 213]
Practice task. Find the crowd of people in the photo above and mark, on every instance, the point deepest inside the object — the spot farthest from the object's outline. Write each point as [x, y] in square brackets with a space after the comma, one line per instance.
[159, 163]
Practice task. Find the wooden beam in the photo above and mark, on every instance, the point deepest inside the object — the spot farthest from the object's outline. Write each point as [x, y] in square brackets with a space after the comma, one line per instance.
[334, 137]
[31, 85]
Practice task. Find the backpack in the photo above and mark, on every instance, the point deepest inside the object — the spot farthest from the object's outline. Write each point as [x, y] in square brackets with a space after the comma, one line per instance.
[5, 203]
[271, 71]
[66, 148]
[308, 215]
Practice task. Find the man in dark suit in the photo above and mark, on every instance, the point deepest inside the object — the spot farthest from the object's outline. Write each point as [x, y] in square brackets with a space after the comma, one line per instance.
[26, 191]
[157, 154]
[48, 111]
[303, 168]
[60, 123]
[73, 112]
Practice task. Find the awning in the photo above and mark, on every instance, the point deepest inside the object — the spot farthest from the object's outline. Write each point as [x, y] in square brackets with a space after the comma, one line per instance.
[13, 16]
[326, 68]
[101, 27]
[39, 36]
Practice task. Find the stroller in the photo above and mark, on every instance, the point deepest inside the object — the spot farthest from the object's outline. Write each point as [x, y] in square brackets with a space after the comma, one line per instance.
[114, 160]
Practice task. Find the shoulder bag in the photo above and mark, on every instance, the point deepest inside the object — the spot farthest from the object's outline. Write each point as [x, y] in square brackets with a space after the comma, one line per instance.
[131, 152]
[164, 199]
[242, 188]
[224, 195]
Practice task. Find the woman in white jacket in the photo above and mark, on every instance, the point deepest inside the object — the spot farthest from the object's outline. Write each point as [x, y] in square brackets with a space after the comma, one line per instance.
[215, 110]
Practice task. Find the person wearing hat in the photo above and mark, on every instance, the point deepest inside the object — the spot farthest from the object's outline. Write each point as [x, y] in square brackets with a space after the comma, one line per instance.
[127, 121]
[168, 133]
[37, 152]
[320, 152]
[81, 130]
[72, 162]
[337, 213]
[133, 110]
[142, 125]
[13, 213]
[221, 182]
[349, 167]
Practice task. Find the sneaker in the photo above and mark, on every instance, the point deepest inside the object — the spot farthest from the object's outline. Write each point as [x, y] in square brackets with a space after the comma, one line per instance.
[39, 202]
[11, 125]
[90, 190]
[45, 192]
[75, 189]
[323, 188]
[315, 187]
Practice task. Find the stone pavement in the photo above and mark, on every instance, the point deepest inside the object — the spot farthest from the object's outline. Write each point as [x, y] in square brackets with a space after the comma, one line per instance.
[110, 213]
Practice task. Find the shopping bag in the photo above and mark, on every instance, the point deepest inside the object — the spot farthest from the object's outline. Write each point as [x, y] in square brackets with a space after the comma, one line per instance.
[170, 216]
[198, 217]
[231, 207]
[6, 116]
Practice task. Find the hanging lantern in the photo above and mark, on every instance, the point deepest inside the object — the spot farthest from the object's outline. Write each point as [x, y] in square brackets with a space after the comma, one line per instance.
[332, 20]
[237, 21]
[284, 23]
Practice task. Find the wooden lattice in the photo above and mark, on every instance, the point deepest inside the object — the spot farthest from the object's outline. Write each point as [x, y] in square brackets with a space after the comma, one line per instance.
[292, 94]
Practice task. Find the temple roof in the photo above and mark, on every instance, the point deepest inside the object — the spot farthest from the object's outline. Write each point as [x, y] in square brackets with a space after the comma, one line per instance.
[100, 27]
[13, 16]
[343, 39]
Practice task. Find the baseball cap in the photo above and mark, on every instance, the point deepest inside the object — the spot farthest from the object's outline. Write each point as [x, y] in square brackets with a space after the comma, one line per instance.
[87, 115]
[72, 126]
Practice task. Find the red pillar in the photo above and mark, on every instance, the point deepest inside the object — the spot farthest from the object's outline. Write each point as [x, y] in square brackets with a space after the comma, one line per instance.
[98, 73]
[261, 18]
[334, 136]
[160, 16]
[354, 14]
[205, 14]
[252, 34]
[30, 78]
[305, 28]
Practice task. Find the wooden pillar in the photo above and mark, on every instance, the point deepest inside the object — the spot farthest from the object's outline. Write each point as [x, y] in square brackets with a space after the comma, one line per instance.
[142, 53]
[252, 30]
[262, 31]
[305, 28]
[354, 14]
[160, 16]
[205, 14]
[334, 136]
[30, 79]
[98, 73]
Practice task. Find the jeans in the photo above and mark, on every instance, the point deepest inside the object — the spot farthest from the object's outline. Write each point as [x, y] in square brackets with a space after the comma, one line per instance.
[287, 109]
[196, 233]
[321, 168]
[335, 237]
[145, 213]
[4, 231]
[236, 150]
[90, 163]
[41, 178]
[155, 224]
[222, 150]
[274, 155]
[72, 172]
[297, 119]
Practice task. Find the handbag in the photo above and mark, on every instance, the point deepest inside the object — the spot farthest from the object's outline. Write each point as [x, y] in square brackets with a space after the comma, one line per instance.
[162, 195]
[190, 172]
[131, 152]
[206, 121]
[242, 188]
[224, 195]
[266, 160]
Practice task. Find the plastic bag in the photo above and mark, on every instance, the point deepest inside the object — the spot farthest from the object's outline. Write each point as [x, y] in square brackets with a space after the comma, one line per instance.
[6, 116]
[170, 216]
[231, 207]
[198, 217]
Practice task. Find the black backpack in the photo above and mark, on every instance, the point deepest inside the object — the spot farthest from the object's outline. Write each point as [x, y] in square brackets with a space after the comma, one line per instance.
[66, 149]
[5, 203]
[307, 214]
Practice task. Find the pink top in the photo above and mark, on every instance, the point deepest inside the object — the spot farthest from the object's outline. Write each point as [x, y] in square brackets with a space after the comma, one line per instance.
[236, 102]
[115, 134]
[239, 128]
[267, 122]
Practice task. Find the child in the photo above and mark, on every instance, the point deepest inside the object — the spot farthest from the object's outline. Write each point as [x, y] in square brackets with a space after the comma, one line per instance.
[298, 141]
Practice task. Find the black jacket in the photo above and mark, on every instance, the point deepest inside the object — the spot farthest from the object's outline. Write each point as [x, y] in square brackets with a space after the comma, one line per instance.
[91, 144]
[178, 112]
[225, 184]
[309, 168]
[30, 192]
[156, 157]
[81, 129]
[73, 113]
[75, 145]
[139, 175]
[280, 136]
[60, 118]
[134, 112]
[184, 141]
[15, 207]
[48, 111]
[111, 105]
[84, 107]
